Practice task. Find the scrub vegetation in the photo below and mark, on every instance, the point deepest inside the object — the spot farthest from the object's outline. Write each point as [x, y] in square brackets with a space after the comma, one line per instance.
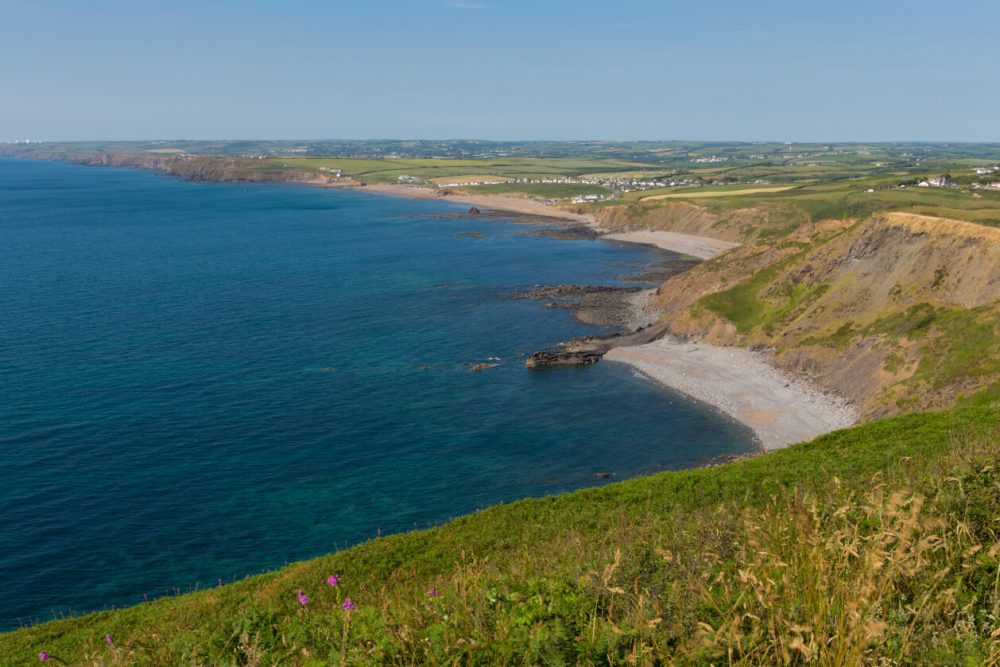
[877, 544]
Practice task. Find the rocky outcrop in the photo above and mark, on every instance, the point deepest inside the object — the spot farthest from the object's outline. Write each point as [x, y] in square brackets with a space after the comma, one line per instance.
[547, 358]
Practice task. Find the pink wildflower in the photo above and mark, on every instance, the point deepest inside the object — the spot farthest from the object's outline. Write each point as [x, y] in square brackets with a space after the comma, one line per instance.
[348, 605]
[303, 598]
[333, 580]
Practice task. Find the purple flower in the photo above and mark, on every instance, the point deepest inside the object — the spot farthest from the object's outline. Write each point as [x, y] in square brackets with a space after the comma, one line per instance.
[433, 592]
[348, 605]
[43, 656]
[333, 580]
[303, 598]
[108, 640]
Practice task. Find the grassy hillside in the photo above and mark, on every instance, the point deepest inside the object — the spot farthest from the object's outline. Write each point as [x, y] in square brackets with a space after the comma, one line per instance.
[897, 312]
[872, 544]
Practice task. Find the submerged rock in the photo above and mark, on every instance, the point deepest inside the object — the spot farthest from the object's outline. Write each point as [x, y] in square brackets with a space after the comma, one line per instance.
[482, 367]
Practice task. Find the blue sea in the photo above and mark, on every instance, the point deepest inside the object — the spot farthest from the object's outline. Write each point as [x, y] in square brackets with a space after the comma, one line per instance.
[203, 381]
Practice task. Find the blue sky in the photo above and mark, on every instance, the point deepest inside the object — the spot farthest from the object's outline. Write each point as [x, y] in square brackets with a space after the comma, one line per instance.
[500, 69]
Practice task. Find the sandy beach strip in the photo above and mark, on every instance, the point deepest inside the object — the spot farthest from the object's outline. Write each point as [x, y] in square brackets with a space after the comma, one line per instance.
[702, 247]
[779, 409]
[496, 202]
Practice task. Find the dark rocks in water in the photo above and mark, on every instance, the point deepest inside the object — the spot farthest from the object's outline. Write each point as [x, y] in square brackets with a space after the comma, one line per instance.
[471, 235]
[572, 233]
[604, 474]
[473, 211]
[606, 305]
[548, 358]
[570, 291]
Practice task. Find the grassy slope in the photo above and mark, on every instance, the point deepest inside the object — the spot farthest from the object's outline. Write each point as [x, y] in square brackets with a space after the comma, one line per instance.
[815, 550]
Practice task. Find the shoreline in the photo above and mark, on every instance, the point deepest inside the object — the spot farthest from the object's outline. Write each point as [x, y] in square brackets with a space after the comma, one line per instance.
[781, 410]
[495, 202]
[702, 247]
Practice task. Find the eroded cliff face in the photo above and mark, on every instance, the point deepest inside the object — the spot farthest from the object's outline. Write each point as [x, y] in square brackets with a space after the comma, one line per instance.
[212, 169]
[875, 310]
[684, 218]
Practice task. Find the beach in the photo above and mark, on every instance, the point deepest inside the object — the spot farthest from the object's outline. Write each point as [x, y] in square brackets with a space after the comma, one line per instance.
[498, 202]
[781, 410]
[702, 247]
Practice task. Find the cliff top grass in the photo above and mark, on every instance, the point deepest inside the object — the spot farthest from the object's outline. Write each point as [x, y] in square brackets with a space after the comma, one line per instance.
[878, 543]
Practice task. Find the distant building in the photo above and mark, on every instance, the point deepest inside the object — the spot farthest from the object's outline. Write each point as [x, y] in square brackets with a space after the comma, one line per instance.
[938, 182]
[995, 185]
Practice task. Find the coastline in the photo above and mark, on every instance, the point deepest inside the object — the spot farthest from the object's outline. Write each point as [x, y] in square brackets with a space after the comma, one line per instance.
[702, 247]
[781, 410]
[495, 202]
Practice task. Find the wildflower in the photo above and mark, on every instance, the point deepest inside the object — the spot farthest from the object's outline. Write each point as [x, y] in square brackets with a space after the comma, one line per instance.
[108, 640]
[43, 656]
[303, 598]
[332, 580]
[348, 605]
[433, 592]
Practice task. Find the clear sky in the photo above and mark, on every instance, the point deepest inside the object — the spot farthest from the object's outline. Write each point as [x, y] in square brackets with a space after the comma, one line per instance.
[500, 69]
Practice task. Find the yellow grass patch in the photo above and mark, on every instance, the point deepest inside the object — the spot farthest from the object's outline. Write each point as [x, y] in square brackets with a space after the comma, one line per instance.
[926, 224]
[716, 193]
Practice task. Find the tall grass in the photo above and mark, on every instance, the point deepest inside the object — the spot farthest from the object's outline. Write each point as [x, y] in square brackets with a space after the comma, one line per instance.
[895, 565]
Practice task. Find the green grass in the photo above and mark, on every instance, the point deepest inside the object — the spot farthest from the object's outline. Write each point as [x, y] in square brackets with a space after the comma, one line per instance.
[756, 561]
[744, 306]
[960, 346]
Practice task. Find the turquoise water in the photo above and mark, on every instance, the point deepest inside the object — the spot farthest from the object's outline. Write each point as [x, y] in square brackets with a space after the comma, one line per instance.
[199, 382]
